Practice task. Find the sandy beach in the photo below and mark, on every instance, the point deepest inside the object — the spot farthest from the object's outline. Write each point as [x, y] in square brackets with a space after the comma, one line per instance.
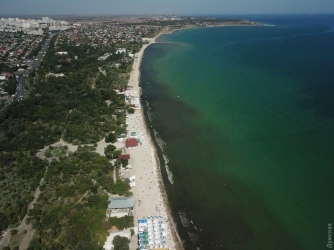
[149, 193]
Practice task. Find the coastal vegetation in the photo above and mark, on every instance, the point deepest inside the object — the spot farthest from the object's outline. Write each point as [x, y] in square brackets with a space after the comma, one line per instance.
[20, 174]
[192, 21]
[82, 107]
[121, 243]
[121, 223]
[71, 208]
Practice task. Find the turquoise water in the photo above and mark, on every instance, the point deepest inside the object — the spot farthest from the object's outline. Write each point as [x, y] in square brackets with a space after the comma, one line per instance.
[245, 120]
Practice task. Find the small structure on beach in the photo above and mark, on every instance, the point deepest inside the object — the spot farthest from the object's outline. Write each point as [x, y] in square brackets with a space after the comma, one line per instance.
[123, 156]
[120, 206]
[152, 233]
[131, 143]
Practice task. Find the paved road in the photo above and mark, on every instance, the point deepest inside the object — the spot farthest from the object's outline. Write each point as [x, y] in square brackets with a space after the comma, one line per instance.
[20, 89]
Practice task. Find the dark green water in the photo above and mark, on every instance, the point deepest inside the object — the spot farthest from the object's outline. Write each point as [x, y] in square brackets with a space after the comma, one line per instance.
[245, 118]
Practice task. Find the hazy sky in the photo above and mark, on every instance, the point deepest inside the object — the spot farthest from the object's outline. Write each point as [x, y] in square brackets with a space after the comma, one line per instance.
[49, 7]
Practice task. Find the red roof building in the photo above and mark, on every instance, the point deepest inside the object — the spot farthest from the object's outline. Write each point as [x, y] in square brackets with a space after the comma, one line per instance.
[125, 156]
[131, 143]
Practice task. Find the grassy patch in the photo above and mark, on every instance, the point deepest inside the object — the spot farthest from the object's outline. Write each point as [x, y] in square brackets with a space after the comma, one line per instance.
[56, 152]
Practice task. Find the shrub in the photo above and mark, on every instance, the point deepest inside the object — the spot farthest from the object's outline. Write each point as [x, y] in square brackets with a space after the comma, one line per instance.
[131, 110]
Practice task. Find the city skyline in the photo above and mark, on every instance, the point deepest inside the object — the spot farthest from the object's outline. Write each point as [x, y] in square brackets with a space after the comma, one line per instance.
[131, 7]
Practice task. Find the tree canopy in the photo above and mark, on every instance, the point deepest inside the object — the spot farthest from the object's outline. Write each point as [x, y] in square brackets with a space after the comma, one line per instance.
[121, 243]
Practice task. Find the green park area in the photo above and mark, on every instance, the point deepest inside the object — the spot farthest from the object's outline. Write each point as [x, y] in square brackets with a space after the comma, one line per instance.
[56, 152]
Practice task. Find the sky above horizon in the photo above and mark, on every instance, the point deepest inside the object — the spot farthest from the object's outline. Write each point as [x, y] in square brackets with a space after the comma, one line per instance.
[121, 7]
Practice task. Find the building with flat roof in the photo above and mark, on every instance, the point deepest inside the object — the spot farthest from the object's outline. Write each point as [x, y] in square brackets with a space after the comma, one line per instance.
[120, 206]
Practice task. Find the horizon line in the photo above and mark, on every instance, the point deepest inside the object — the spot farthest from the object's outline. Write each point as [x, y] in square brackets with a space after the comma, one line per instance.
[171, 14]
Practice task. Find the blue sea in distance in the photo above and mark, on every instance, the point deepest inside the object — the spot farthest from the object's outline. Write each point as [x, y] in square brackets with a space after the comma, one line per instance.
[243, 119]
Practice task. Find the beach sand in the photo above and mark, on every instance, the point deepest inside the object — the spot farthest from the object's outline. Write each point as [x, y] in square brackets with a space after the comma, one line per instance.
[149, 193]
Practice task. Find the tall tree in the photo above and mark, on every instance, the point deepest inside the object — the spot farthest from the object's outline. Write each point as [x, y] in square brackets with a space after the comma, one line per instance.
[121, 243]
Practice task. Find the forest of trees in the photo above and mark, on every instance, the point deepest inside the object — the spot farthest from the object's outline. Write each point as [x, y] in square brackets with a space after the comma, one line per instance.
[70, 211]
[72, 206]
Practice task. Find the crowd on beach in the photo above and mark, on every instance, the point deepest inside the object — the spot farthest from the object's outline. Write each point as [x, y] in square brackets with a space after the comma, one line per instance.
[149, 191]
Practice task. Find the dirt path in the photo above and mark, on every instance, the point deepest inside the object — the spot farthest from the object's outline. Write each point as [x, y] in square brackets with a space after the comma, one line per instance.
[6, 236]
[114, 176]
[24, 226]
[83, 196]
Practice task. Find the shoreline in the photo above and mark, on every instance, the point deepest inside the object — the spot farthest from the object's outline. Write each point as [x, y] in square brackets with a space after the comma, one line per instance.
[149, 193]
[137, 123]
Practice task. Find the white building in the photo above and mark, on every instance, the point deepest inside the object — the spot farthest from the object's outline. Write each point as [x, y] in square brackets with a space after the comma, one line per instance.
[61, 53]
[144, 39]
[104, 57]
[120, 50]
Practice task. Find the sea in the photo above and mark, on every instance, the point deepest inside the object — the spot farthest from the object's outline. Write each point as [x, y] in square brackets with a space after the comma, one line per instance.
[243, 122]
